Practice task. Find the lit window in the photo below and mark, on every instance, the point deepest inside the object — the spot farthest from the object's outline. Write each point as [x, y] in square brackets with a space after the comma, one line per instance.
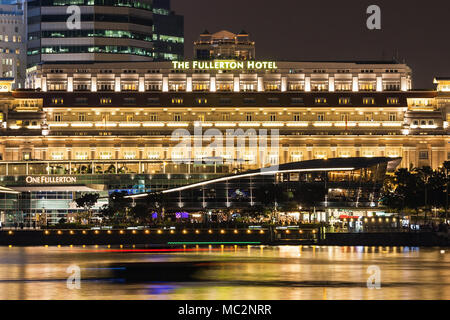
[320, 100]
[392, 116]
[105, 155]
[82, 116]
[423, 155]
[57, 155]
[81, 155]
[129, 155]
[392, 100]
[344, 101]
[368, 101]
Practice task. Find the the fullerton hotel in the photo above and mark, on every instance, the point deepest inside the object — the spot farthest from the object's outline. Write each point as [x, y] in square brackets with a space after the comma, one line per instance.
[321, 109]
[108, 127]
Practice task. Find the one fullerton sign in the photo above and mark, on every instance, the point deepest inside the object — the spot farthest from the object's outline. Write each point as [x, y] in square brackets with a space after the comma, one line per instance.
[50, 180]
[224, 65]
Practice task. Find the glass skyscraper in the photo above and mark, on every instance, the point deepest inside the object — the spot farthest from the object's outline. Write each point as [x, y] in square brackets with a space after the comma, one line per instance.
[108, 31]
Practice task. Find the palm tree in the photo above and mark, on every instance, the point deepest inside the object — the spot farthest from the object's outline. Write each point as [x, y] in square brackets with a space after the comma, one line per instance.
[446, 168]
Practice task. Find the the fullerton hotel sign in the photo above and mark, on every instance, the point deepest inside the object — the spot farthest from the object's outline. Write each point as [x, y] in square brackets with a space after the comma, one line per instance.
[50, 180]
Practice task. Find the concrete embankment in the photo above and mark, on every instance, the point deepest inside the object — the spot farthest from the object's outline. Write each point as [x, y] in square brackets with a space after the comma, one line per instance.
[128, 237]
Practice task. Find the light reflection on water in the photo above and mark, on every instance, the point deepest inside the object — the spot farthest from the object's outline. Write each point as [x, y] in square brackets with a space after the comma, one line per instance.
[257, 272]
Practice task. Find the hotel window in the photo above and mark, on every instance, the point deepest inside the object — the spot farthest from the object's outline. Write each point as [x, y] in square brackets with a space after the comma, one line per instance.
[249, 100]
[320, 100]
[320, 155]
[319, 87]
[368, 116]
[225, 101]
[201, 101]
[129, 101]
[368, 101]
[343, 86]
[153, 155]
[153, 117]
[297, 101]
[273, 116]
[369, 153]
[249, 116]
[344, 154]
[273, 100]
[57, 117]
[81, 87]
[177, 101]
[344, 101]
[224, 87]
[57, 87]
[201, 87]
[177, 117]
[392, 116]
[448, 155]
[250, 158]
[274, 159]
[153, 87]
[81, 155]
[201, 117]
[26, 155]
[296, 87]
[248, 87]
[321, 116]
[57, 155]
[297, 116]
[105, 87]
[106, 116]
[105, 101]
[129, 87]
[177, 87]
[271, 87]
[423, 155]
[81, 100]
[392, 100]
[391, 87]
[57, 101]
[105, 155]
[81, 116]
[130, 117]
[296, 156]
[129, 155]
[392, 154]
[366, 87]
[153, 101]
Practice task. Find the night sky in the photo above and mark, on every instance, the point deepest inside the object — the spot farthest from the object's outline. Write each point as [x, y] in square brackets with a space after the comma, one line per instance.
[417, 32]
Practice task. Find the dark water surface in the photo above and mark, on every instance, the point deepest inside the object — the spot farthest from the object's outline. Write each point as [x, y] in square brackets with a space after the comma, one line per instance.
[239, 273]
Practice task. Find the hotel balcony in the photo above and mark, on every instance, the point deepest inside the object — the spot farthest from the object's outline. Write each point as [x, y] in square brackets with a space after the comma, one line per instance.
[225, 124]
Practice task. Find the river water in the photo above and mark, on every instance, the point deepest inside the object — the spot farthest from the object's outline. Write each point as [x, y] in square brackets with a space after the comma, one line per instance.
[240, 273]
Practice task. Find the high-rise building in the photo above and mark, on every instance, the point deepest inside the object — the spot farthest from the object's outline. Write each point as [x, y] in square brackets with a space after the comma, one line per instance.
[12, 42]
[224, 45]
[168, 32]
[108, 31]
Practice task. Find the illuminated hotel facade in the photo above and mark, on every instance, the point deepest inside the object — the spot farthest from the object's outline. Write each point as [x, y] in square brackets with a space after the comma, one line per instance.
[109, 127]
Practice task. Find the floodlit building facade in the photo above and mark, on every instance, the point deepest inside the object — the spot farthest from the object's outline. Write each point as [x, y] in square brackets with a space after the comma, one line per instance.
[150, 126]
